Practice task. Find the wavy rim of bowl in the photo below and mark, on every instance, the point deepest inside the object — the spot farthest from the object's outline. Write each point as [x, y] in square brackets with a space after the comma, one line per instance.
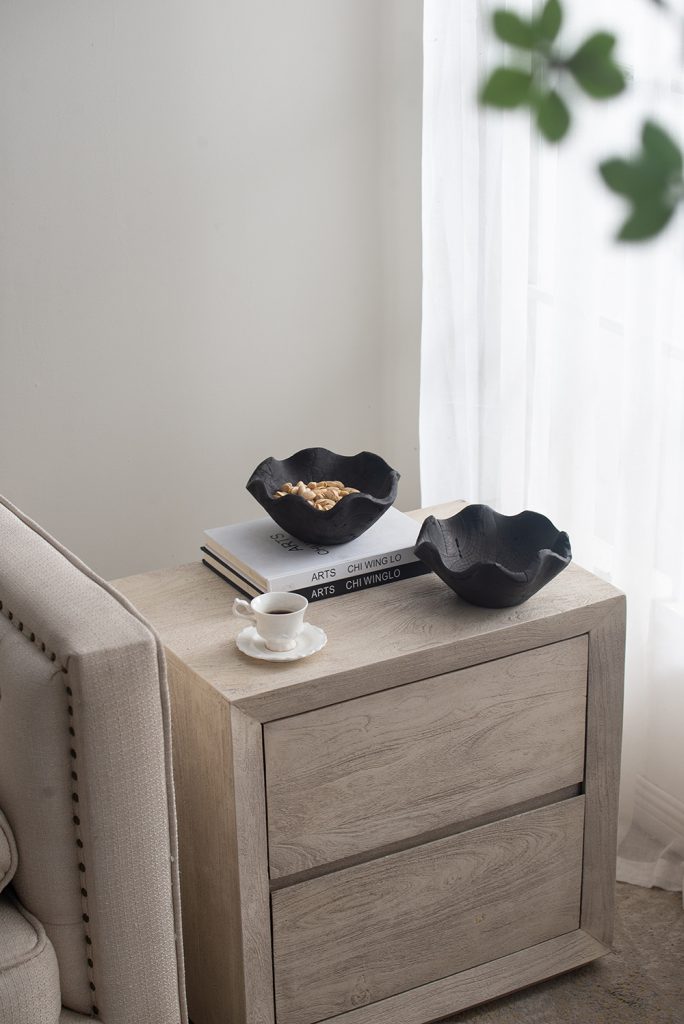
[257, 488]
[517, 576]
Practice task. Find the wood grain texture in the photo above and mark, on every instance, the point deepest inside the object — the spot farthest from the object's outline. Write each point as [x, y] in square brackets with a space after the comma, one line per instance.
[371, 771]
[218, 766]
[251, 861]
[604, 738]
[368, 932]
[477, 985]
[377, 639]
[210, 894]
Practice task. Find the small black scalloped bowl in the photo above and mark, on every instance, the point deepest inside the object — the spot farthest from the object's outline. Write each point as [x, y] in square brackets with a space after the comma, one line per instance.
[493, 560]
[375, 480]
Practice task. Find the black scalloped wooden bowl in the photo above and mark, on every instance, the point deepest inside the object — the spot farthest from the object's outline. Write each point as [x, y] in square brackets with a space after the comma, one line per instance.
[493, 560]
[352, 516]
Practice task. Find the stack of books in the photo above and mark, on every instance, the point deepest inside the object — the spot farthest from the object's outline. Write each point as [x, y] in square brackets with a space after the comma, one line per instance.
[258, 557]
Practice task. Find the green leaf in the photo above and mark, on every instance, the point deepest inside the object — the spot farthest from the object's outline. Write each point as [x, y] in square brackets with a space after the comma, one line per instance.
[549, 21]
[630, 178]
[595, 48]
[652, 180]
[594, 69]
[652, 172]
[511, 28]
[647, 219]
[601, 81]
[553, 116]
[661, 148]
[507, 88]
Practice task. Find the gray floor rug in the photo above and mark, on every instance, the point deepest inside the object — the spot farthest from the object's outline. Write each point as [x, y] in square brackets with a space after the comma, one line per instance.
[640, 982]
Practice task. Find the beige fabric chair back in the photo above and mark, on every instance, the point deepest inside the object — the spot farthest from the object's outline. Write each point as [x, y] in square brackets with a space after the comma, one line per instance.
[85, 780]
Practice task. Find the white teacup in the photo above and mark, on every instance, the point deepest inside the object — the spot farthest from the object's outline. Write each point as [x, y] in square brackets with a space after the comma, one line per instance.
[279, 617]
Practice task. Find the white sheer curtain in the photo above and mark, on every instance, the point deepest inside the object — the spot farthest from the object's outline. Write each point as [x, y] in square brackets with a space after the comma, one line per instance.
[553, 360]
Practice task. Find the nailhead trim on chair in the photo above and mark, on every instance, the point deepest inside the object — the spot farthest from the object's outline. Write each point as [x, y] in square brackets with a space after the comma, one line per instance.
[85, 916]
[29, 636]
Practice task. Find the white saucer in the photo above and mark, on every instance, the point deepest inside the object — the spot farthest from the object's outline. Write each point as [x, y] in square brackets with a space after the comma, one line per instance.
[311, 639]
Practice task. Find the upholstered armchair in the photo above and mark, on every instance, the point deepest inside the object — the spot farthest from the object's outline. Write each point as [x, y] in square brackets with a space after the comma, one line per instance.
[89, 897]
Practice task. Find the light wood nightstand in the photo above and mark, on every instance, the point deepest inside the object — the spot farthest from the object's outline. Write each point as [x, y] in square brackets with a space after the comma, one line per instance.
[419, 818]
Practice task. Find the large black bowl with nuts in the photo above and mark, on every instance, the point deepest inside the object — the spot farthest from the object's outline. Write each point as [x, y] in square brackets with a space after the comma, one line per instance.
[370, 486]
[490, 559]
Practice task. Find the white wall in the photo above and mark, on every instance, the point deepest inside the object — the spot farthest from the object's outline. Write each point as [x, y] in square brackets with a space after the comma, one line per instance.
[209, 253]
[400, 100]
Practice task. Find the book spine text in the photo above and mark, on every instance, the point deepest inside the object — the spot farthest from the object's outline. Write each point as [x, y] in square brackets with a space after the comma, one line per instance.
[341, 571]
[363, 581]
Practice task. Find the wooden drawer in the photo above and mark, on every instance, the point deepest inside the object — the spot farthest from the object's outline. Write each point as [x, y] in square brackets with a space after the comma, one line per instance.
[358, 935]
[359, 775]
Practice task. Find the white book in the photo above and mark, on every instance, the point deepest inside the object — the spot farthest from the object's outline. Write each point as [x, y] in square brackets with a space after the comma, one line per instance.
[329, 588]
[273, 560]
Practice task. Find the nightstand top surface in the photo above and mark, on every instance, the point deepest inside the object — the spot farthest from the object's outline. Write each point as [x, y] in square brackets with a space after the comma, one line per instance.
[377, 638]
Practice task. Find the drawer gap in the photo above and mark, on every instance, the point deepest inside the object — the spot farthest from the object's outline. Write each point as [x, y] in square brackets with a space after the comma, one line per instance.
[566, 793]
[379, 929]
[384, 768]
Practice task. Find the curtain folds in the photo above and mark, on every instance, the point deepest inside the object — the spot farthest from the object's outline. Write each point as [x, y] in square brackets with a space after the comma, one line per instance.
[552, 371]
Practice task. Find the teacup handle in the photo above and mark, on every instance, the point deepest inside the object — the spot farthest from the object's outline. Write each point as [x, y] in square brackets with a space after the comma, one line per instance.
[243, 609]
